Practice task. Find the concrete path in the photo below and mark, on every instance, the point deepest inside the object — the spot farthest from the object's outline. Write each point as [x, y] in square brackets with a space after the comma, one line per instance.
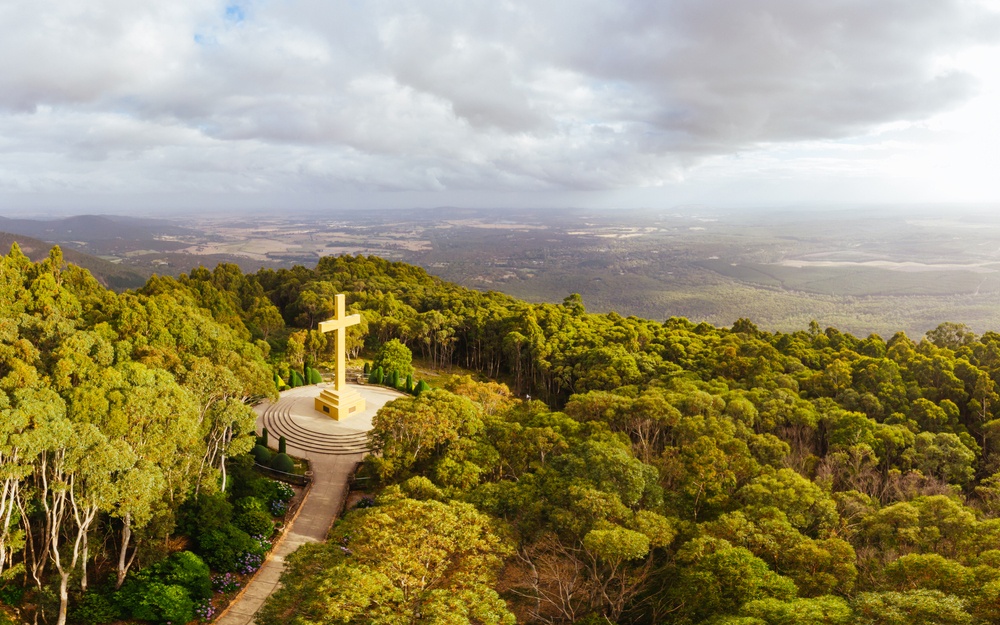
[319, 438]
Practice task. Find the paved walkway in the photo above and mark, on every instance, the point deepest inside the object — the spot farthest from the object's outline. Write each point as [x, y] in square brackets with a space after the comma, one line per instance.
[320, 439]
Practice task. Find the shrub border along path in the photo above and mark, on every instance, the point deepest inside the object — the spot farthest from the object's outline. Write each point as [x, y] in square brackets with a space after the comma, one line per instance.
[325, 497]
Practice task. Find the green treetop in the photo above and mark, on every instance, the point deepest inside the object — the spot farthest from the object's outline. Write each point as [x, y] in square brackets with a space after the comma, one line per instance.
[394, 356]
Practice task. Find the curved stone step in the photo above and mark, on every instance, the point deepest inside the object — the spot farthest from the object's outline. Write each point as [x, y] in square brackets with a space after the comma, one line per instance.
[288, 423]
[278, 420]
[297, 439]
[288, 427]
[300, 445]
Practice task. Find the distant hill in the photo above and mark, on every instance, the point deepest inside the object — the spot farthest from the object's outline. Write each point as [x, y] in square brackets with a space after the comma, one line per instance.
[91, 228]
[109, 274]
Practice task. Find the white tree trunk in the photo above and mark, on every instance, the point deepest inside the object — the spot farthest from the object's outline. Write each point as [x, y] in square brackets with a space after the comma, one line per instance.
[123, 561]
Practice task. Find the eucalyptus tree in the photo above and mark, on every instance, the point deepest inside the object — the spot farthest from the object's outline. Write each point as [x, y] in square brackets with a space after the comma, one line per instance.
[400, 561]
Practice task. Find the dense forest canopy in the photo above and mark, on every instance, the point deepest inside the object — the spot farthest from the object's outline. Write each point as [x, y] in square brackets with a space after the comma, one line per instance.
[114, 410]
[664, 471]
[675, 472]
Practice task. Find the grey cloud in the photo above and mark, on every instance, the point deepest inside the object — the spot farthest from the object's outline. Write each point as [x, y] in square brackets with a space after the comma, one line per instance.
[478, 77]
[718, 74]
[582, 94]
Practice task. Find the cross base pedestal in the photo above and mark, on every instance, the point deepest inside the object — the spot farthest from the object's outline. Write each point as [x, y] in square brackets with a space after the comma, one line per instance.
[340, 404]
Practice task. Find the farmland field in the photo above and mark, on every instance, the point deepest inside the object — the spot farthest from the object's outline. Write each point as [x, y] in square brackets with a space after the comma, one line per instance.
[859, 270]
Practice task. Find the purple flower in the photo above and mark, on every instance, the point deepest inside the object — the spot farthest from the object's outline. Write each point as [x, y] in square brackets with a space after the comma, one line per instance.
[250, 562]
[225, 583]
[205, 611]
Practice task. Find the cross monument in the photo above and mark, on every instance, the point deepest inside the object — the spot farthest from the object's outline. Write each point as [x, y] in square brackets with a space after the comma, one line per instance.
[340, 401]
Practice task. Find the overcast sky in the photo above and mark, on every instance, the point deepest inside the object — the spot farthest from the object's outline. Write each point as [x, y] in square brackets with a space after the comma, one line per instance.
[122, 105]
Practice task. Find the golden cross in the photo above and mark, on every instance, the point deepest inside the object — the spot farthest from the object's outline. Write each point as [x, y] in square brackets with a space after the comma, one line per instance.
[339, 325]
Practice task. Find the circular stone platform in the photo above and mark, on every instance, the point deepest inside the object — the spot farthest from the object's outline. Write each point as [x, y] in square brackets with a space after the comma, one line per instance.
[309, 433]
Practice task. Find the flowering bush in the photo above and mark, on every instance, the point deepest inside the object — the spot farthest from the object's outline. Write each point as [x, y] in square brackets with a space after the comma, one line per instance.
[205, 611]
[278, 507]
[263, 545]
[283, 491]
[225, 582]
[249, 562]
[275, 495]
[221, 549]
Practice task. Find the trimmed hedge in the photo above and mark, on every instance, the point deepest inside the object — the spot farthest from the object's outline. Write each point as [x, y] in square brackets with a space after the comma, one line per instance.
[261, 455]
[314, 376]
[283, 463]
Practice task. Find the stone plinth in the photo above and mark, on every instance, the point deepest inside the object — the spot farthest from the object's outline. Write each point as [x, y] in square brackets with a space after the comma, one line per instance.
[340, 404]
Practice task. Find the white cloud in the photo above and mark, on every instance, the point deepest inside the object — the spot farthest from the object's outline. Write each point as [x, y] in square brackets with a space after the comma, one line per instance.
[313, 97]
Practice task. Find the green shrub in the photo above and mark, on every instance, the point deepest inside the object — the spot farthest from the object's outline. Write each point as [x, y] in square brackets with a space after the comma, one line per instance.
[368, 369]
[275, 495]
[243, 476]
[186, 569]
[203, 513]
[315, 377]
[393, 379]
[263, 489]
[263, 437]
[283, 463]
[282, 445]
[45, 600]
[11, 593]
[269, 491]
[94, 608]
[255, 523]
[163, 603]
[251, 502]
[261, 455]
[408, 385]
[144, 596]
[273, 490]
[421, 387]
[221, 548]
[128, 598]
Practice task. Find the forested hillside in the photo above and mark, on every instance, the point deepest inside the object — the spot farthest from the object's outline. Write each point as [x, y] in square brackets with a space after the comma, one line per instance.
[115, 410]
[662, 471]
[673, 473]
[115, 277]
